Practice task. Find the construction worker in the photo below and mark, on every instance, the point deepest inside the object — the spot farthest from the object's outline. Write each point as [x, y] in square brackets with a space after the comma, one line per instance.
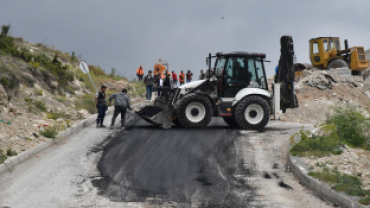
[101, 105]
[174, 78]
[121, 104]
[202, 75]
[189, 76]
[182, 77]
[168, 81]
[140, 73]
[159, 83]
[149, 81]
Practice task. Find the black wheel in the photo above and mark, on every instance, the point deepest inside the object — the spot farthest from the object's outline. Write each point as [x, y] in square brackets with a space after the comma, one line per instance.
[337, 63]
[230, 121]
[194, 111]
[252, 113]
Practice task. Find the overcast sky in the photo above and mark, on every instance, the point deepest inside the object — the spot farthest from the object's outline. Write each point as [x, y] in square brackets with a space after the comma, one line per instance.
[126, 34]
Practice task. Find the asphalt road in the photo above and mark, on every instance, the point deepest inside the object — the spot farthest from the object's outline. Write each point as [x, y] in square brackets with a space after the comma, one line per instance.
[149, 167]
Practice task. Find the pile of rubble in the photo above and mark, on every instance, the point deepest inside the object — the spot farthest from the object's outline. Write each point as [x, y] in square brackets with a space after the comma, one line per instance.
[318, 90]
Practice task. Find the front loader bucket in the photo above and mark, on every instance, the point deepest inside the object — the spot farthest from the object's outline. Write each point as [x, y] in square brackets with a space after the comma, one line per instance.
[160, 114]
[157, 116]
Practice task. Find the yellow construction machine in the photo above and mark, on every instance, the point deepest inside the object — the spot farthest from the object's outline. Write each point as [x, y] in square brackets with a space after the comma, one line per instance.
[326, 53]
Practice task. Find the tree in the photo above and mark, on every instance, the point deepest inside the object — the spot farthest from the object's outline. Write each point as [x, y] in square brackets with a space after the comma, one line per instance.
[113, 72]
[55, 60]
[73, 57]
[5, 30]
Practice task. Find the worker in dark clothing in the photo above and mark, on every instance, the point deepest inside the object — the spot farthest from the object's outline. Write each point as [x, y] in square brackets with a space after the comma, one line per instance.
[101, 105]
[121, 104]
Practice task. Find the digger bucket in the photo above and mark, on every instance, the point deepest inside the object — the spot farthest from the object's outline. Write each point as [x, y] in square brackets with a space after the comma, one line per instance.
[161, 112]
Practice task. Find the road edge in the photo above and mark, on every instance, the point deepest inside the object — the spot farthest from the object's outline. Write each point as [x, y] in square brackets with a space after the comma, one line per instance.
[320, 188]
[13, 161]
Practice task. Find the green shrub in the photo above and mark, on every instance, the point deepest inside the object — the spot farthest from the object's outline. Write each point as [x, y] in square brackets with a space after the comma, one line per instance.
[2, 157]
[50, 132]
[11, 152]
[28, 100]
[40, 105]
[321, 145]
[351, 126]
[39, 92]
[5, 82]
[55, 116]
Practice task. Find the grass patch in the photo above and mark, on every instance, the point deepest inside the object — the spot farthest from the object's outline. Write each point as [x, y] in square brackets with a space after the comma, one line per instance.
[39, 92]
[55, 115]
[61, 99]
[365, 200]
[40, 105]
[50, 132]
[2, 157]
[11, 152]
[351, 185]
[137, 89]
[321, 145]
[86, 102]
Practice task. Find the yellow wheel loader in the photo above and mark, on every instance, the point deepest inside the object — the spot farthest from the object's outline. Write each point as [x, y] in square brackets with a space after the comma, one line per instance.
[326, 53]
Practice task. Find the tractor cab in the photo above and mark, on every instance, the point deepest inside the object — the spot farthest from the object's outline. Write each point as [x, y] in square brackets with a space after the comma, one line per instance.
[238, 70]
[326, 53]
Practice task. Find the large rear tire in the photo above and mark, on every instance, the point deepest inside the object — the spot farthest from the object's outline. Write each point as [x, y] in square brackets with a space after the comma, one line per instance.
[252, 113]
[230, 121]
[194, 111]
[338, 63]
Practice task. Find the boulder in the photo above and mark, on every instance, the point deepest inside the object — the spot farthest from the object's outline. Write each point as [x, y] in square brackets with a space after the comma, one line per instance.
[3, 96]
[53, 84]
[3, 109]
[83, 113]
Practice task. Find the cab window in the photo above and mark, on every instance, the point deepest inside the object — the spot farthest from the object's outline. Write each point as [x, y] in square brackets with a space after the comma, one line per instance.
[220, 66]
[315, 48]
[326, 45]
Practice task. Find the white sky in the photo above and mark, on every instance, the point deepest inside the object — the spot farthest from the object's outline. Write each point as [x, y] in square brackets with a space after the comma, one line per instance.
[126, 34]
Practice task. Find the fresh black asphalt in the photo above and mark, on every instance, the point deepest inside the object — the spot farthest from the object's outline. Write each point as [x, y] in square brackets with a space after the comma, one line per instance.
[179, 165]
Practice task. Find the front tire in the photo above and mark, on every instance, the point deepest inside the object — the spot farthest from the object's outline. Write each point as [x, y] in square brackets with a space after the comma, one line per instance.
[337, 63]
[252, 113]
[194, 111]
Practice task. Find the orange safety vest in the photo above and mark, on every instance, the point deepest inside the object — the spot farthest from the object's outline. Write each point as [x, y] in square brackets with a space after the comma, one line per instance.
[182, 77]
[140, 71]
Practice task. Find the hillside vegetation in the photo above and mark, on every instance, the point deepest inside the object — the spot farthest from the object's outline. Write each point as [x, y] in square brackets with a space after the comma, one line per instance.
[42, 91]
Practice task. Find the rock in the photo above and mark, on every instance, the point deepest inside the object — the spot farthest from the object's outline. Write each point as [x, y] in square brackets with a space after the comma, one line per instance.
[306, 73]
[3, 110]
[83, 113]
[53, 84]
[3, 96]
[43, 115]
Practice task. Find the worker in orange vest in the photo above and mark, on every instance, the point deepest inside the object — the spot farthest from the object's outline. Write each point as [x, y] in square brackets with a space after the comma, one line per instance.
[140, 73]
[182, 78]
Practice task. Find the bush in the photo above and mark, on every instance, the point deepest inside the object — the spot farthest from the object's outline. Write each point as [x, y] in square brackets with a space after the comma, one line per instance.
[55, 116]
[39, 92]
[321, 145]
[50, 132]
[40, 105]
[2, 157]
[351, 126]
[11, 152]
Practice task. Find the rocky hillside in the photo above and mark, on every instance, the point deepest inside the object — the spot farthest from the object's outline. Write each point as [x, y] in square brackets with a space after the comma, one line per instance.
[42, 92]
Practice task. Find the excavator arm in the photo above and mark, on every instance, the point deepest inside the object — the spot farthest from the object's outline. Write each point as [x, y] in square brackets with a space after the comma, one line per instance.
[285, 74]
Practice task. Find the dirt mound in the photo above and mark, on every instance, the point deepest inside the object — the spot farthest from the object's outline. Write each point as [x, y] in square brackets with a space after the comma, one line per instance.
[319, 90]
